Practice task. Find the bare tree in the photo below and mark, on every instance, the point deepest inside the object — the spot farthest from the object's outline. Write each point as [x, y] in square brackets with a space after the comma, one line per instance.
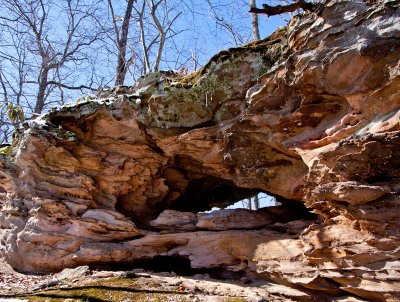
[156, 20]
[13, 77]
[228, 19]
[163, 27]
[49, 49]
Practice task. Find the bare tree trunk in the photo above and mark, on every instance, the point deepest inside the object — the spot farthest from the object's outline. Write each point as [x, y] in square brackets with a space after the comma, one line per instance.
[40, 99]
[143, 38]
[122, 65]
[161, 32]
[3, 85]
[195, 60]
[256, 202]
[249, 203]
[159, 52]
[254, 21]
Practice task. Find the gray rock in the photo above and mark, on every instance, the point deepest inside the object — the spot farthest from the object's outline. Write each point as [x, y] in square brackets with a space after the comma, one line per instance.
[175, 220]
[233, 219]
[72, 273]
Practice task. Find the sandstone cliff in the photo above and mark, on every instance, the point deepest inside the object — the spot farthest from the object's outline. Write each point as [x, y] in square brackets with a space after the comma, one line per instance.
[310, 115]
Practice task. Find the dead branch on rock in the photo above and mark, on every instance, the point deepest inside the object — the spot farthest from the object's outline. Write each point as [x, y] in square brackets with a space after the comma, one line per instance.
[282, 9]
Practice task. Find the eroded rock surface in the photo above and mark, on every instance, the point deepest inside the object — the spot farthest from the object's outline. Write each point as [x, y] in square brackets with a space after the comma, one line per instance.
[310, 115]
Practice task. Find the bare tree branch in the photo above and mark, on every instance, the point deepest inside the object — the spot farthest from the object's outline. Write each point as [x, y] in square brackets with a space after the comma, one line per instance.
[81, 87]
[281, 9]
[62, 85]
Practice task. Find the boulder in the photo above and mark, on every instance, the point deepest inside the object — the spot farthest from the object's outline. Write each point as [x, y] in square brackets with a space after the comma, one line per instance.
[175, 221]
[234, 219]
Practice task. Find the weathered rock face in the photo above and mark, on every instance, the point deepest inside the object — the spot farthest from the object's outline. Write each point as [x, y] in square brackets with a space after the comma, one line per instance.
[310, 115]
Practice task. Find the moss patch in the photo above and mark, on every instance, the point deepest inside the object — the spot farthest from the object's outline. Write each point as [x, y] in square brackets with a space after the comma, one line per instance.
[234, 299]
[5, 150]
[121, 289]
[113, 290]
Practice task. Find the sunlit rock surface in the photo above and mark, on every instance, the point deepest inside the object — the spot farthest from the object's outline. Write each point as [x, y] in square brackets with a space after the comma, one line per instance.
[309, 115]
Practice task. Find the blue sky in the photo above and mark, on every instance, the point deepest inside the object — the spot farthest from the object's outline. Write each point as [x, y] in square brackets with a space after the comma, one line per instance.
[204, 36]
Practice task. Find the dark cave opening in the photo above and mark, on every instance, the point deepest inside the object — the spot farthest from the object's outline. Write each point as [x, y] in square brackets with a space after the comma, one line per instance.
[178, 265]
[173, 264]
[206, 193]
[202, 193]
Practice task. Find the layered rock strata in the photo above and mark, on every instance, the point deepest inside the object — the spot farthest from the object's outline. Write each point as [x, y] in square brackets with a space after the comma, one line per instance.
[309, 115]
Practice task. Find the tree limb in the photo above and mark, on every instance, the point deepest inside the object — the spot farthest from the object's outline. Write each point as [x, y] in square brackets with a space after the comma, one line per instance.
[114, 21]
[58, 84]
[281, 9]
[71, 87]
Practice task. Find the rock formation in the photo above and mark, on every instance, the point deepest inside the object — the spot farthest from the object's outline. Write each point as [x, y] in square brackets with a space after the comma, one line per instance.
[310, 115]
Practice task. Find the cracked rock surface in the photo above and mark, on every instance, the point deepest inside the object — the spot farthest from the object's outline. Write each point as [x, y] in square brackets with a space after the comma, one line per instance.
[310, 115]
